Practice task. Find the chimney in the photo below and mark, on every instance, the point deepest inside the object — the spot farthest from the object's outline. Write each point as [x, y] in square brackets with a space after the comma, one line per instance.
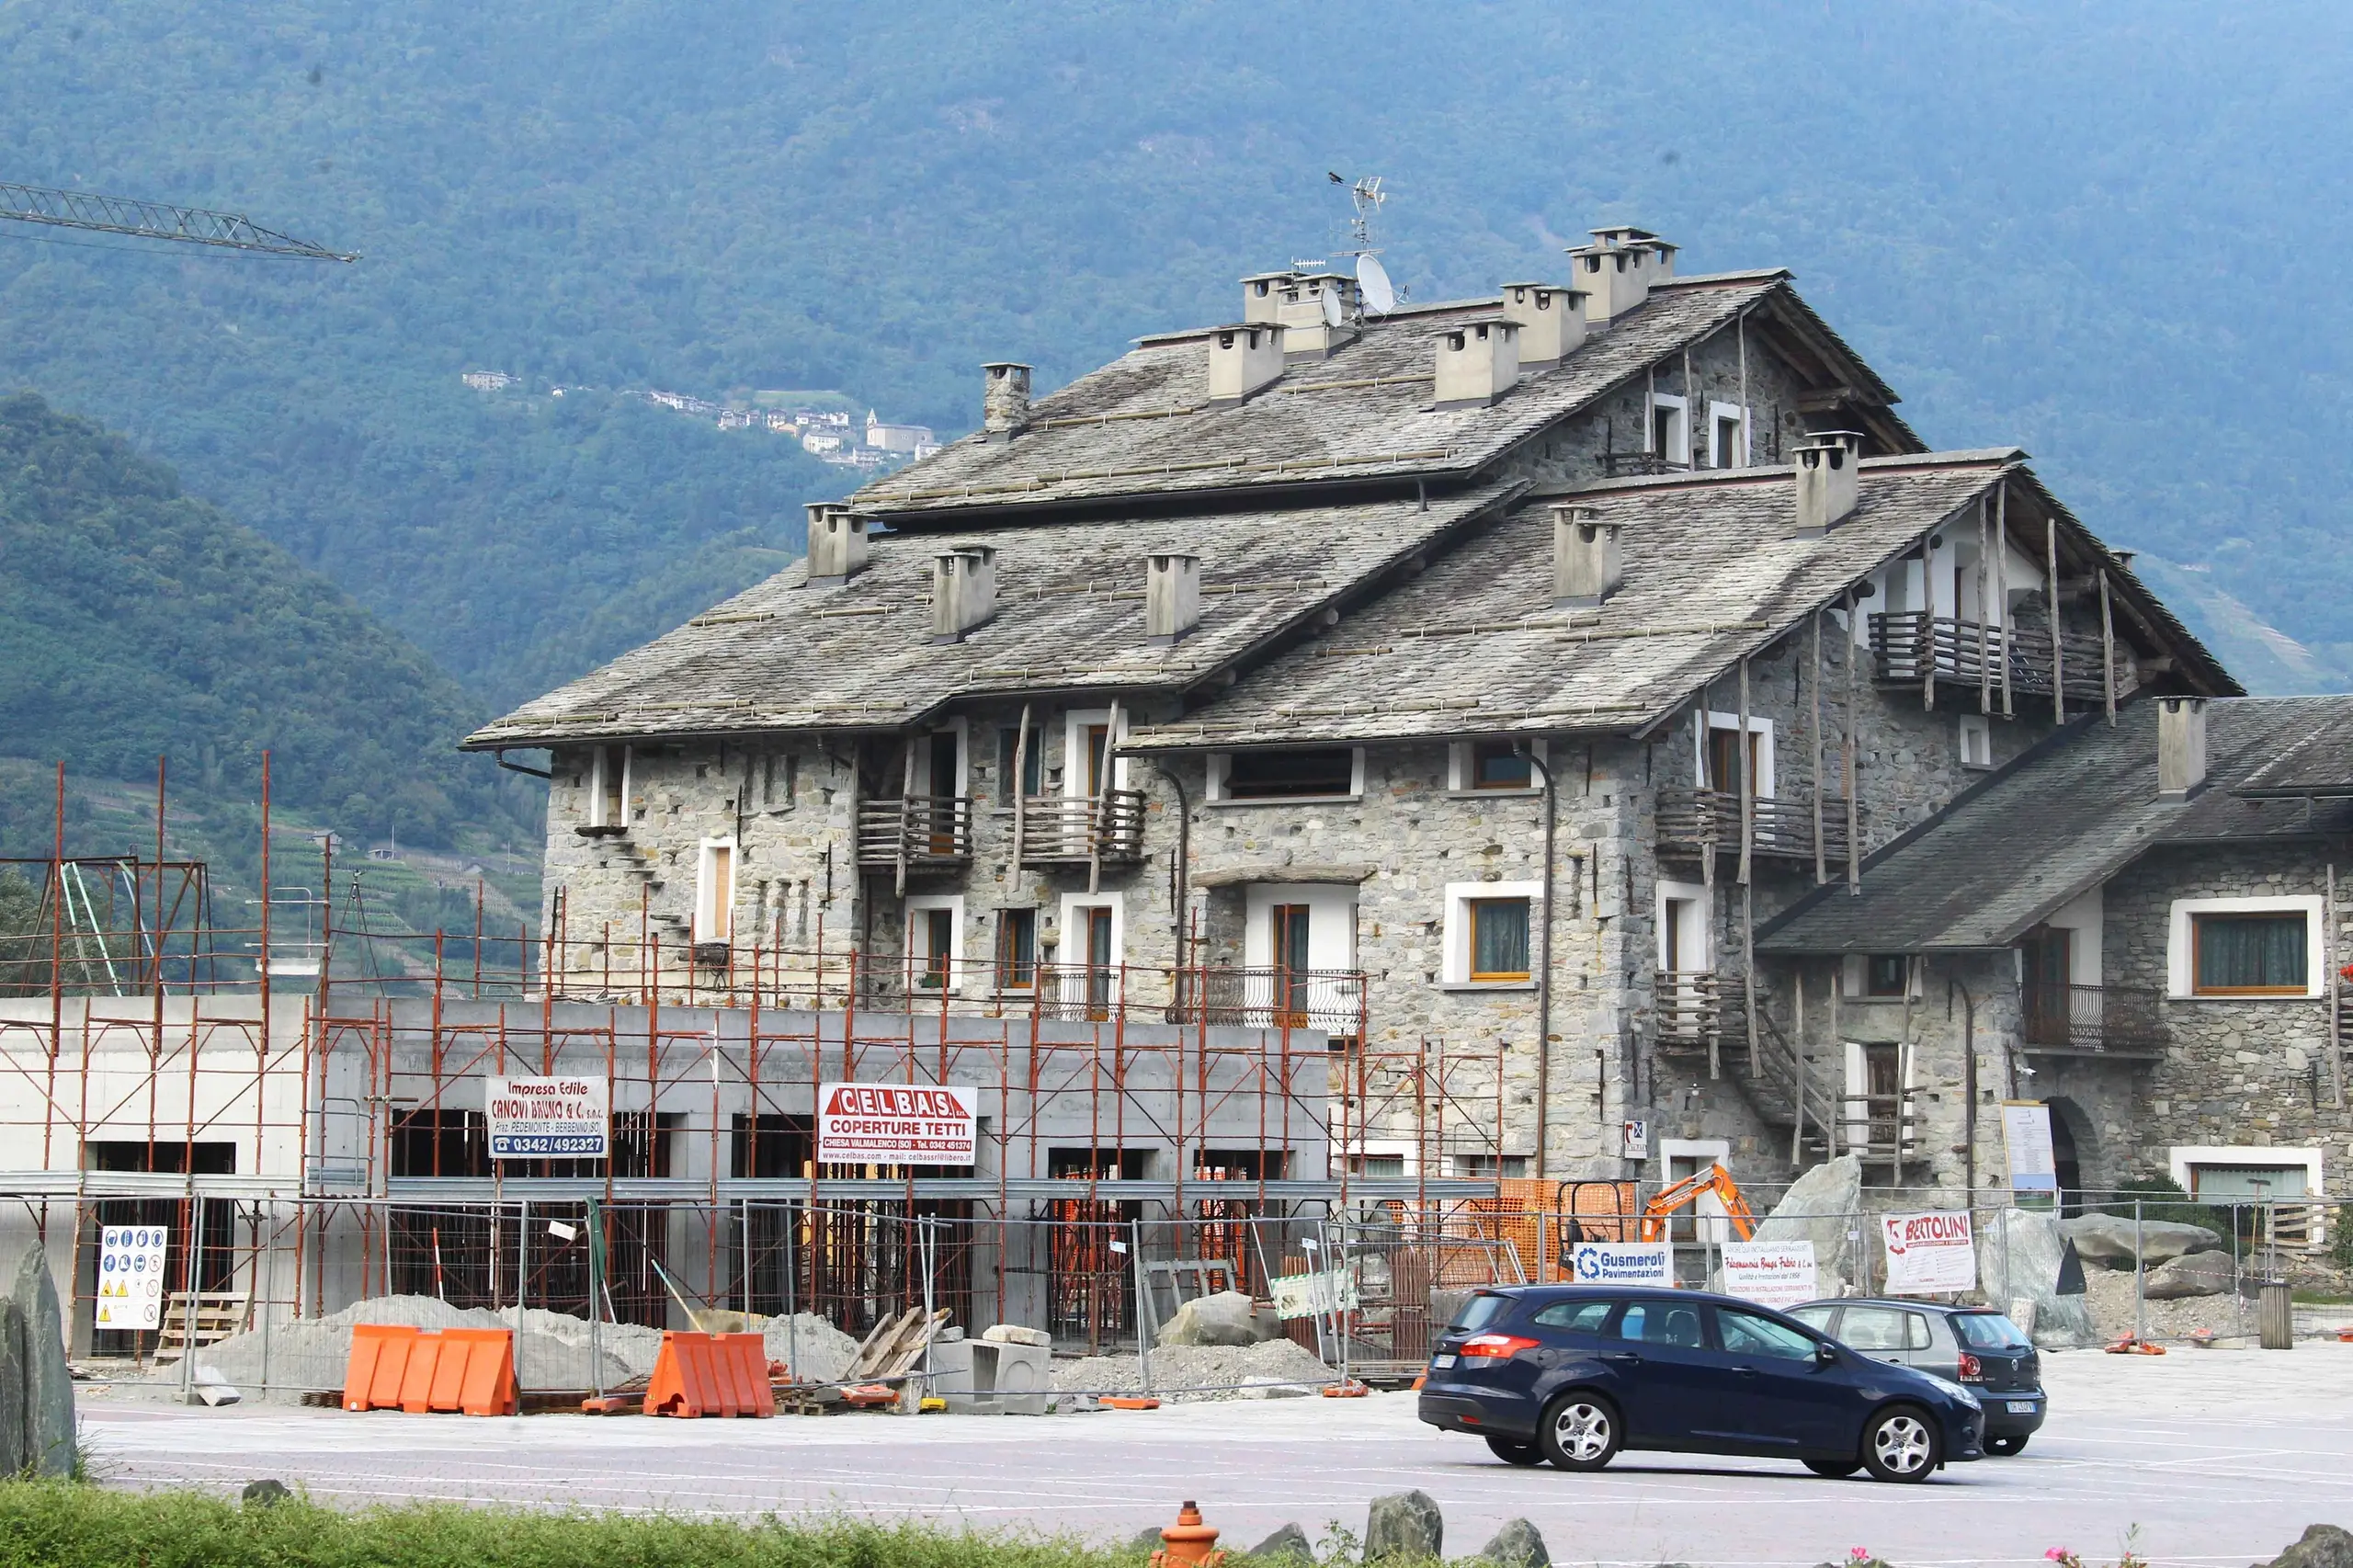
[1319, 312]
[1262, 297]
[1172, 597]
[2181, 747]
[1242, 359]
[836, 544]
[1477, 362]
[1551, 319]
[964, 591]
[1005, 400]
[1618, 270]
[1829, 480]
[1586, 564]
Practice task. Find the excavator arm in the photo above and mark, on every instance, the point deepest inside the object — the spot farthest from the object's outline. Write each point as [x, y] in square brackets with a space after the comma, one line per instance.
[1715, 1181]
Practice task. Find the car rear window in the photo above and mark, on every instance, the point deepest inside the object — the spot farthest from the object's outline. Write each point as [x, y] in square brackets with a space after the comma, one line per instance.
[1818, 1316]
[1989, 1331]
[1478, 1311]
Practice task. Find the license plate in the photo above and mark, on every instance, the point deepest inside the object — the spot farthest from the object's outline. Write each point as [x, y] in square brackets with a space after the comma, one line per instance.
[1441, 1360]
[2019, 1406]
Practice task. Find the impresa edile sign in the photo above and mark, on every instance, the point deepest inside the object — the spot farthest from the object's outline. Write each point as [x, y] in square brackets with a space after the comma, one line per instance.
[1929, 1253]
[533, 1119]
[897, 1124]
[1622, 1263]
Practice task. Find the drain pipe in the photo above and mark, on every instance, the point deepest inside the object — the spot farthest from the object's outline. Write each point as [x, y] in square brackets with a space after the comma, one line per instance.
[1968, 1076]
[1543, 974]
[1180, 874]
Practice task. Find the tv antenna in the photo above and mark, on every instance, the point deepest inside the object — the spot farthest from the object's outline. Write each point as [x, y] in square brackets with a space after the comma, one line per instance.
[1365, 197]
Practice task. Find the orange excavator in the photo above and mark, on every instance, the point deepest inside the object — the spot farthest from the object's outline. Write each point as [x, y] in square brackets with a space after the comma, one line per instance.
[1714, 1181]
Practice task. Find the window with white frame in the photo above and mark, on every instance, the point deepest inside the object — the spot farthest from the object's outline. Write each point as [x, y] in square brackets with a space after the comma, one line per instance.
[1326, 773]
[2245, 949]
[1682, 920]
[1490, 932]
[1670, 431]
[935, 943]
[715, 891]
[1089, 956]
[1727, 435]
[608, 787]
[1976, 740]
[1720, 753]
[1090, 759]
[1496, 766]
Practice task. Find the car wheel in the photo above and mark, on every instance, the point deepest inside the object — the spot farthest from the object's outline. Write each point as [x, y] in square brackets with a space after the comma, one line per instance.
[1510, 1452]
[2006, 1447]
[1837, 1470]
[1580, 1431]
[1900, 1444]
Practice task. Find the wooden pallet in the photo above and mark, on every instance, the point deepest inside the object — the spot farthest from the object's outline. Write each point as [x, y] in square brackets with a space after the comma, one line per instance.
[219, 1315]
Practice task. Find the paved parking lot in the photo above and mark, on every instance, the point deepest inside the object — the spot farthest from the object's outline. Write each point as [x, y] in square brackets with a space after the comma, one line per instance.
[2216, 1457]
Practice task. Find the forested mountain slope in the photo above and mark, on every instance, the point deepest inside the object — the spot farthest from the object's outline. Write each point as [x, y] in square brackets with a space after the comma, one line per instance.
[2109, 231]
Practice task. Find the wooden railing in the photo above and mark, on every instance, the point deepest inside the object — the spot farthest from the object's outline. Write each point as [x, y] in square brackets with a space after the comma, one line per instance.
[1906, 644]
[914, 831]
[2094, 1019]
[1702, 819]
[1102, 829]
[1689, 1006]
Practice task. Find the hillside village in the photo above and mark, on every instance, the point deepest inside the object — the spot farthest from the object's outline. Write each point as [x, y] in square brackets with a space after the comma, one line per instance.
[826, 431]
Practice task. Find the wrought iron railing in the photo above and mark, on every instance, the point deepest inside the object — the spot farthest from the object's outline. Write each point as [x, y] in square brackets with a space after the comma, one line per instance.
[2122, 1020]
[1331, 1000]
[1701, 820]
[1906, 644]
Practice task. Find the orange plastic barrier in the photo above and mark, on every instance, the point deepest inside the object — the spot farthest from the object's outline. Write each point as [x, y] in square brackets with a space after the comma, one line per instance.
[710, 1374]
[394, 1366]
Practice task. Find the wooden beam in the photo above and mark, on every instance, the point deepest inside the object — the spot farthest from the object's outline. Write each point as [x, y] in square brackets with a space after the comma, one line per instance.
[1813, 767]
[2058, 656]
[2107, 653]
[2001, 583]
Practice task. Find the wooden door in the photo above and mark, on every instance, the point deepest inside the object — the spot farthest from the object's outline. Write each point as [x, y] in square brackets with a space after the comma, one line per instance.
[2047, 956]
[1101, 961]
[1290, 950]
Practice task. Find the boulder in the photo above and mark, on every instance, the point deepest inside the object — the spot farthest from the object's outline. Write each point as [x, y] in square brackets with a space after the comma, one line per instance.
[1288, 1541]
[14, 1450]
[1405, 1524]
[1519, 1544]
[1225, 1318]
[2200, 1274]
[2107, 1238]
[1015, 1333]
[1823, 1206]
[2020, 1257]
[49, 1384]
[2321, 1546]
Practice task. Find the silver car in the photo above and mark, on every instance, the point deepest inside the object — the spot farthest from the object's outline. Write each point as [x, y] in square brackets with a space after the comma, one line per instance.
[1975, 1346]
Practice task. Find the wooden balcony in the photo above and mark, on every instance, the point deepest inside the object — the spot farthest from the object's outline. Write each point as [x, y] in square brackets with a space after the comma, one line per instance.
[1906, 645]
[1689, 1009]
[1699, 821]
[916, 831]
[2092, 1020]
[1101, 829]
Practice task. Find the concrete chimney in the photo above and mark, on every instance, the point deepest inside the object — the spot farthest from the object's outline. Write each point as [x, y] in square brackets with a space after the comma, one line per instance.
[1172, 597]
[1551, 319]
[1242, 359]
[1586, 568]
[964, 591]
[1319, 312]
[1477, 362]
[1005, 400]
[2181, 747]
[1262, 297]
[1618, 270]
[837, 544]
[1829, 480]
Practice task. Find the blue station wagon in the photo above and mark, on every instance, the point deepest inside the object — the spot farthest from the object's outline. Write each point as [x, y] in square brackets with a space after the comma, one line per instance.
[1574, 1374]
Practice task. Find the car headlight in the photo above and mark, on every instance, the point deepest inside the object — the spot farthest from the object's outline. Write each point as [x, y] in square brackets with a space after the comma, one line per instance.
[1955, 1389]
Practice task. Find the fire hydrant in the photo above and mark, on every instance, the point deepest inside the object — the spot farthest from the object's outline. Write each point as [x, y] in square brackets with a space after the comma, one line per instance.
[1188, 1541]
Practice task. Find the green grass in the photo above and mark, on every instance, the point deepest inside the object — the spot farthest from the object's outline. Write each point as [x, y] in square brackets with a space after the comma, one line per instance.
[65, 1526]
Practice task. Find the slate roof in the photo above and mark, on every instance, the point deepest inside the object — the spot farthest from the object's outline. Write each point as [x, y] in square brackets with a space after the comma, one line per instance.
[2059, 820]
[1474, 645]
[2319, 762]
[1070, 618]
[1140, 423]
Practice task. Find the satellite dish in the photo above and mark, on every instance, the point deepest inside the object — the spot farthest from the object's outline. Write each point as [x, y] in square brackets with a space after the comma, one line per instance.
[1332, 307]
[1373, 279]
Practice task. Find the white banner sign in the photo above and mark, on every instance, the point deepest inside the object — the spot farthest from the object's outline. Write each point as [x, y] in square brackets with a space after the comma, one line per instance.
[130, 1276]
[1623, 1263]
[897, 1124]
[538, 1118]
[2026, 1129]
[1928, 1252]
[1772, 1273]
[1307, 1295]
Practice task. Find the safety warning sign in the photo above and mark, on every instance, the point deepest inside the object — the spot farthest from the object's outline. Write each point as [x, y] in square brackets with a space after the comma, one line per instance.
[897, 1124]
[130, 1276]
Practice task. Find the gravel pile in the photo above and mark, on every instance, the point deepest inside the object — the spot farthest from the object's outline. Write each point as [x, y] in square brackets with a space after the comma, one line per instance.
[2109, 1292]
[1274, 1370]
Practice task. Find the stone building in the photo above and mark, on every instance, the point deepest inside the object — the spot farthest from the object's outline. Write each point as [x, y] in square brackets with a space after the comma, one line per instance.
[1475, 679]
[2138, 924]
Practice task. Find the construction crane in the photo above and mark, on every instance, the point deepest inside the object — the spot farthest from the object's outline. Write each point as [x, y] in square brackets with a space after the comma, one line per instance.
[151, 220]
